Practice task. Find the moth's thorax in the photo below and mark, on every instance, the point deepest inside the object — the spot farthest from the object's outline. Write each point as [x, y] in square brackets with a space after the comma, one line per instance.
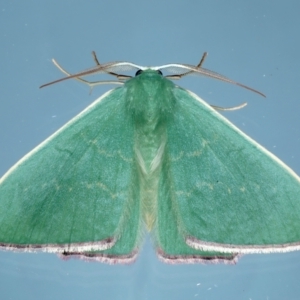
[149, 96]
[151, 103]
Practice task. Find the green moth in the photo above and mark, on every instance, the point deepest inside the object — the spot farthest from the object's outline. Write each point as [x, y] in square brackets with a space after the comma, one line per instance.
[150, 156]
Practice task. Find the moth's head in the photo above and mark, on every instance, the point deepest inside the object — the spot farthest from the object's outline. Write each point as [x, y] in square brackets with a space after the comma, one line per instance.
[148, 71]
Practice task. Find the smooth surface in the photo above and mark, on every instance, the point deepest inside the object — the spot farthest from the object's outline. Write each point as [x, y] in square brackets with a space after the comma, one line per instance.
[253, 43]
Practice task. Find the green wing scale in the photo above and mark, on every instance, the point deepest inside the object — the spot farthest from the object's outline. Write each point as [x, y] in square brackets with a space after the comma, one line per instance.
[226, 192]
[76, 190]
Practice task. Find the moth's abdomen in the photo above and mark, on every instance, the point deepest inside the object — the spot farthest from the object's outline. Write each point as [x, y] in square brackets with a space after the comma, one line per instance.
[150, 141]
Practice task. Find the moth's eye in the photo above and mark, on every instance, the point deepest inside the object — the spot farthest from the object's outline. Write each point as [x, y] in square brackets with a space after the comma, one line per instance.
[159, 72]
[138, 72]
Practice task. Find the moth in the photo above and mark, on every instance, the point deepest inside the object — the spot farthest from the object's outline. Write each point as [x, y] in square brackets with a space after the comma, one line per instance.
[150, 156]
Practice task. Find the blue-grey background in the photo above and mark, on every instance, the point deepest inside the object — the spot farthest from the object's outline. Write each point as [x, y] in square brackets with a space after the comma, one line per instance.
[254, 42]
